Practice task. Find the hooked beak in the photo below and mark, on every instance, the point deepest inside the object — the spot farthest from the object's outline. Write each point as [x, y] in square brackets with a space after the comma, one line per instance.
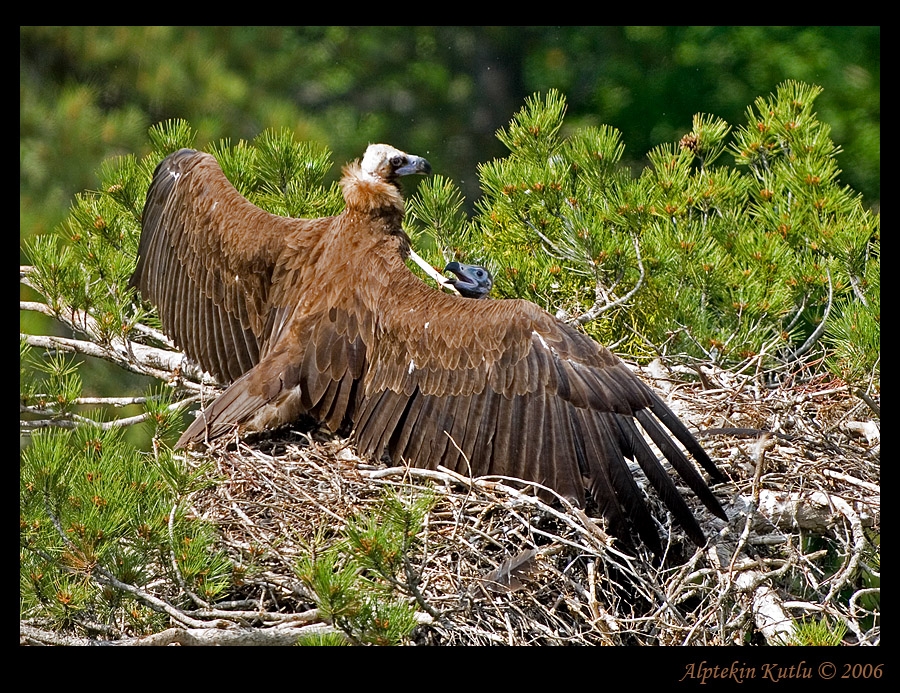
[414, 164]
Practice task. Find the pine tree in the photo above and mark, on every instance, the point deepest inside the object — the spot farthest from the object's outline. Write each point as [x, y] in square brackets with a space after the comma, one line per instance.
[734, 245]
[757, 262]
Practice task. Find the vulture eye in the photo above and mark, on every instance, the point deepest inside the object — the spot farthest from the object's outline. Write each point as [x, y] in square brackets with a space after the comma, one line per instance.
[397, 161]
[479, 273]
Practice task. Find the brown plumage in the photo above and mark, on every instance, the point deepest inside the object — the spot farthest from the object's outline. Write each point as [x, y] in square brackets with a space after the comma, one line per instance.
[322, 317]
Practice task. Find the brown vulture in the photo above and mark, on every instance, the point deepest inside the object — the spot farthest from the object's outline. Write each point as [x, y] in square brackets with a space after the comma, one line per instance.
[472, 281]
[322, 317]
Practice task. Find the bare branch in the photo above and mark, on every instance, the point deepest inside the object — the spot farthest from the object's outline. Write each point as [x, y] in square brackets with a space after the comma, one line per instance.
[431, 272]
[873, 405]
[144, 360]
[68, 419]
[857, 289]
[599, 308]
[130, 355]
[814, 337]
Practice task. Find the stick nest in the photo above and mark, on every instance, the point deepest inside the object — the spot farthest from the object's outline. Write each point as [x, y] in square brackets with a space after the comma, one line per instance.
[498, 566]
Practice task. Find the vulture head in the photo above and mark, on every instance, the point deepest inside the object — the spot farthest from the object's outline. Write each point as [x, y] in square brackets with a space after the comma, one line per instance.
[371, 185]
[385, 163]
[471, 281]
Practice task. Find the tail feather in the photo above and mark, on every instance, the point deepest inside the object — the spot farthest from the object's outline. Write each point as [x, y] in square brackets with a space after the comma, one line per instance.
[231, 409]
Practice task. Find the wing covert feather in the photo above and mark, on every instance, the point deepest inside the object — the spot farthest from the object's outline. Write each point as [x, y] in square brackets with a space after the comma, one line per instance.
[531, 388]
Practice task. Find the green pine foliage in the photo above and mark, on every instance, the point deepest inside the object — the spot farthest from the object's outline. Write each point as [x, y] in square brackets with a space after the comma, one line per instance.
[735, 262]
[818, 633]
[281, 175]
[95, 512]
[51, 380]
[365, 582]
[854, 334]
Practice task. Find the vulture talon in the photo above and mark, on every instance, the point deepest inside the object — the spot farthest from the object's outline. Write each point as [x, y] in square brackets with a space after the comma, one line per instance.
[322, 317]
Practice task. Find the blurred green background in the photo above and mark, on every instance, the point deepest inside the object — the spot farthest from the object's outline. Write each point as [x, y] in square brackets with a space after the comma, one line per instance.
[87, 93]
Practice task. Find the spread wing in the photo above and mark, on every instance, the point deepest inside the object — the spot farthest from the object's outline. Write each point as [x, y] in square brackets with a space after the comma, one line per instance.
[481, 387]
[503, 387]
[206, 260]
